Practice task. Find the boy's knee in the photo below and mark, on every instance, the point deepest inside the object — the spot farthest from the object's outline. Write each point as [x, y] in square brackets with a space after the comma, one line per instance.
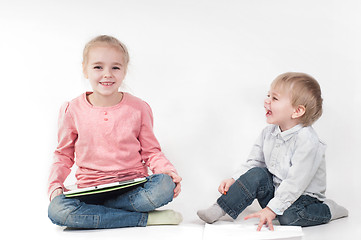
[258, 171]
[256, 174]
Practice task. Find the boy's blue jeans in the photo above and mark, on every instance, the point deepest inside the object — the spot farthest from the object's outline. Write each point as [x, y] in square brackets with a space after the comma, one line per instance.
[257, 184]
[121, 208]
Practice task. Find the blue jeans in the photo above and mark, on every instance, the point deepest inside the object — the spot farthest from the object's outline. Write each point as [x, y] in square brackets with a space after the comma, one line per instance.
[257, 183]
[121, 208]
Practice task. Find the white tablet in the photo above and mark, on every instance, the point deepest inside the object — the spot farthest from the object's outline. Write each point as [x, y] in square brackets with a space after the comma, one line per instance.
[74, 191]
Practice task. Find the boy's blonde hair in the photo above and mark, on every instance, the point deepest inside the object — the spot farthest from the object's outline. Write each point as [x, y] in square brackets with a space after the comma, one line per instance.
[105, 40]
[304, 90]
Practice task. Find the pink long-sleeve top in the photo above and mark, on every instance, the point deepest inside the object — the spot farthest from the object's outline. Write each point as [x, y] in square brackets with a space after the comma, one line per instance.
[107, 144]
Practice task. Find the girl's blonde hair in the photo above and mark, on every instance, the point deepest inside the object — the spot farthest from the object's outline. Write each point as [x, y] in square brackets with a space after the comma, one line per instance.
[304, 90]
[105, 40]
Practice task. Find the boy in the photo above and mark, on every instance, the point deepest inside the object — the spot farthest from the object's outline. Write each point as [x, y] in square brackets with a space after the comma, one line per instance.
[286, 169]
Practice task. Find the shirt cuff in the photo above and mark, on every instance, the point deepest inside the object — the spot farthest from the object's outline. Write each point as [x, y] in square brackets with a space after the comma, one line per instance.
[277, 206]
[164, 171]
[53, 188]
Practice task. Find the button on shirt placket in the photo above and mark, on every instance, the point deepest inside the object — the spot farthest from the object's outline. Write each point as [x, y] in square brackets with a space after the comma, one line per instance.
[106, 116]
[275, 153]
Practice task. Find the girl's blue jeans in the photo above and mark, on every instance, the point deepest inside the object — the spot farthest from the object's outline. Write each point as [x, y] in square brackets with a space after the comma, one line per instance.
[257, 184]
[121, 208]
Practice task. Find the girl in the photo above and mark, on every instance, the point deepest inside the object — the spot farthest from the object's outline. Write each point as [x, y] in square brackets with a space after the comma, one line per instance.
[109, 135]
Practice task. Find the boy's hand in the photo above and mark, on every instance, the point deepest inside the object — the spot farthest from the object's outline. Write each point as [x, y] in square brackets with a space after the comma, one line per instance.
[266, 215]
[225, 184]
[176, 179]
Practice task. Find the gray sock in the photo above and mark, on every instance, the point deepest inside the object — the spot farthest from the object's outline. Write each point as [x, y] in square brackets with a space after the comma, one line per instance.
[336, 210]
[211, 214]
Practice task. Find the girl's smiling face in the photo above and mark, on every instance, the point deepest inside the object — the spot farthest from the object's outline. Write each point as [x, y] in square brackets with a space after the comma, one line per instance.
[105, 70]
[279, 110]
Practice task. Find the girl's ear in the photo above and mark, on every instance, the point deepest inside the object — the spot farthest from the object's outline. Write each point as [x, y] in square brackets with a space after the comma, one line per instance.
[299, 111]
[84, 71]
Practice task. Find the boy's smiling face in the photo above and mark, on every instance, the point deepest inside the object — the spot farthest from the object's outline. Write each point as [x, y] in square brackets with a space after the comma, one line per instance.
[279, 109]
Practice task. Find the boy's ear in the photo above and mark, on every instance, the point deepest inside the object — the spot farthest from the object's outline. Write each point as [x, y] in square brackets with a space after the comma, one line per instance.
[299, 111]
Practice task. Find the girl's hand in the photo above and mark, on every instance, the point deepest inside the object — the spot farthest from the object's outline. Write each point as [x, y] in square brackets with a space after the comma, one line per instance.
[225, 184]
[266, 215]
[56, 193]
[176, 179]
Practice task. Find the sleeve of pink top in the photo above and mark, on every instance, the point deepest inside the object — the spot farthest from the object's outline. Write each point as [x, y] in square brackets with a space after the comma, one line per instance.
[151, 152]
[64, 153]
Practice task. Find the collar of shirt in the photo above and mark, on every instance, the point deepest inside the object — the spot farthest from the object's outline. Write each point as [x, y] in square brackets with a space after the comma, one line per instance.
[286, 135]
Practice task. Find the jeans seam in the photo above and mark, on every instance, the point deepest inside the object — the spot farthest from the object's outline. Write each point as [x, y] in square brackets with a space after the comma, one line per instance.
[146, 194]
[95, 217]
[303, 216]
[317, 219]
[143, 220]
[132, 203]
[70, 214]
[269, 184]
[249, 195]
[227, 209]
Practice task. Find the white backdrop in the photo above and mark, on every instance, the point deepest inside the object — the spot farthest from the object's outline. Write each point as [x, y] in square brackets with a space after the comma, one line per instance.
[203, 66]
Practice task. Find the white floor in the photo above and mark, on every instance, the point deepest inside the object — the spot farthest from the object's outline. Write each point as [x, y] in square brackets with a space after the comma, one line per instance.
[190, 229]
[193, 229]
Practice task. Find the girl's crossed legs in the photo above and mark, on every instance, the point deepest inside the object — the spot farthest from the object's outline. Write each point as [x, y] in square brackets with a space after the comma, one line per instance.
[113, 210]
